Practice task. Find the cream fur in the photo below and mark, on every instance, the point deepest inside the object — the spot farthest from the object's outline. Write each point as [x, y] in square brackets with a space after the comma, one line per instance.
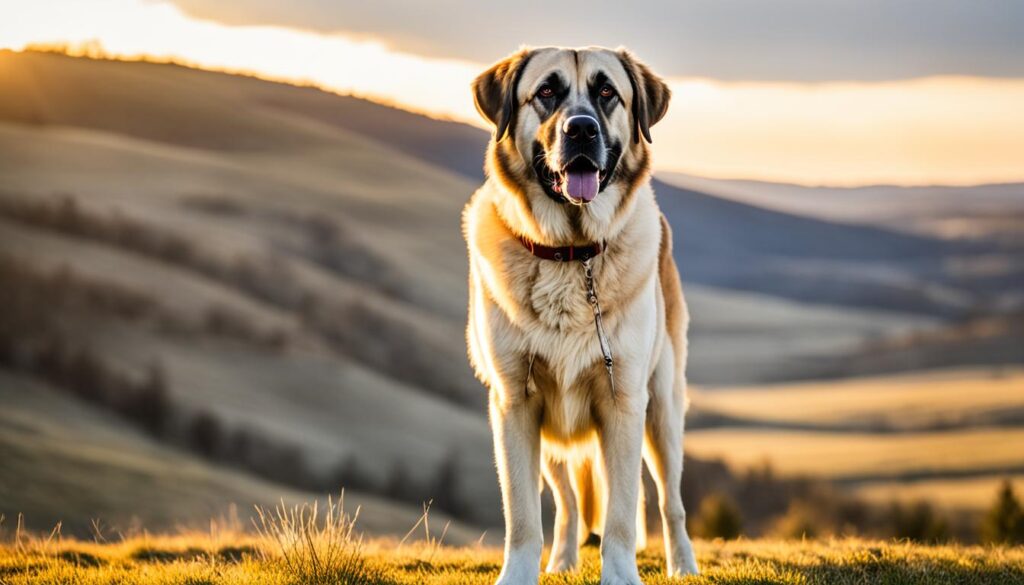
[565, 417]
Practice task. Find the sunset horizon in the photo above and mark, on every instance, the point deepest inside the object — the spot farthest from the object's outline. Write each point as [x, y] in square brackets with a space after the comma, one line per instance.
[934, 130]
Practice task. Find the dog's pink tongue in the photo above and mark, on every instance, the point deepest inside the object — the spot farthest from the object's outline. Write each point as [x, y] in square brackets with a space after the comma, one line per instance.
[581, 186]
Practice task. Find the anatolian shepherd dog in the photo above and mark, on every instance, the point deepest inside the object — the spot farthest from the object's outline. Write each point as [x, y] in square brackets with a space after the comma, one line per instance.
[577, 322]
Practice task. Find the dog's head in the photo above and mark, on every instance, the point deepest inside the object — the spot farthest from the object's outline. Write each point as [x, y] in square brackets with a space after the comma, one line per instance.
[570, 123]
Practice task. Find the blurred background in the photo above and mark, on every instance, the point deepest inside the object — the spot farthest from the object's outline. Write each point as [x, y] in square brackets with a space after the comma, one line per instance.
[231, 268]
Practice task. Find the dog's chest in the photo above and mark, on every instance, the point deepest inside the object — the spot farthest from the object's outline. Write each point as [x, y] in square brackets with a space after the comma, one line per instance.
[557, 296]
[567, 413]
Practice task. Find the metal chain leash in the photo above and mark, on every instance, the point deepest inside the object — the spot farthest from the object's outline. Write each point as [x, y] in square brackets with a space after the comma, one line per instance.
[602, 338]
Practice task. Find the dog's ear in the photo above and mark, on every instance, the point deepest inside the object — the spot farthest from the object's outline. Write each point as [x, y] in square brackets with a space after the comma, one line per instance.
[650, 95]
[494, 91]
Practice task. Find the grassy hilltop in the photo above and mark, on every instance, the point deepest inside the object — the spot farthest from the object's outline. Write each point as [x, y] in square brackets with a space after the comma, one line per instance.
[294, 549]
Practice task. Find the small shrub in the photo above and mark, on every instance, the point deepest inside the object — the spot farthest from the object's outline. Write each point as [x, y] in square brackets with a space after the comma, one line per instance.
[445, 491]
[206, 434]
[401, 486]
[718, 517]
[800, 521]
[918, 522]
[1004, 521]
[349, 473]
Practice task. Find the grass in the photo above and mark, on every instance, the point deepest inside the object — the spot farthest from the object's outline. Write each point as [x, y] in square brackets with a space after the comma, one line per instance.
[312, 546]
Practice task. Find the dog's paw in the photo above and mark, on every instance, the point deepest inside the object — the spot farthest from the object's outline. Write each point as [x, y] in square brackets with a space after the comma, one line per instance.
[633, 579]
[562, 562]
[683, 568]
[682, 561]
[519, 574]
[619, 572]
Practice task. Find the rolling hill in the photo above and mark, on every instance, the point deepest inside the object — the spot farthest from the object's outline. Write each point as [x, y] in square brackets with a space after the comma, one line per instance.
[64, 455]
[911, 209]
[981, 227]
[237, 238]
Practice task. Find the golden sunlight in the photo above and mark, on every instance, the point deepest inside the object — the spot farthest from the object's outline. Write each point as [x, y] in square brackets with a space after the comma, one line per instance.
[947, 130]
[938, 130]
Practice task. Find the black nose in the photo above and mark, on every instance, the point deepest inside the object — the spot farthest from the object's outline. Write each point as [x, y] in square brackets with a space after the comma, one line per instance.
[581, 128]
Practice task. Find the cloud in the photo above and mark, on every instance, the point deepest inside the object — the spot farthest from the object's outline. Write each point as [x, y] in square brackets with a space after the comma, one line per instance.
[797, 40]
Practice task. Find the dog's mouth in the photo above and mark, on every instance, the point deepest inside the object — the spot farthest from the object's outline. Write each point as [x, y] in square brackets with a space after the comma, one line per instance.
[578, 182]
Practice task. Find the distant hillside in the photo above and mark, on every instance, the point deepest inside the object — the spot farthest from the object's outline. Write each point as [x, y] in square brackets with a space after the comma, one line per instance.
[733, 245]
[867, 203]
[989, 341]
[952, 212]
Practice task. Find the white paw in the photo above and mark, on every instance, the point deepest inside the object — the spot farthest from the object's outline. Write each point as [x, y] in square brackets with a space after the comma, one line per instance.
[619, 570]
[519, 572]
[633, 579]
[683, 568]
[683, 562]
[562, 561]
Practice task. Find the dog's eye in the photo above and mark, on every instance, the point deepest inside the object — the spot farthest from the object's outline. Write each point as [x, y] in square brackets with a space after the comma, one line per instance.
[607, 91]
[546, 91]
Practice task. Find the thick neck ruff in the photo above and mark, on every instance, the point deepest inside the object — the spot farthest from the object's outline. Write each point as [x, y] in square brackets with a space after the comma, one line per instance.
[563, 253]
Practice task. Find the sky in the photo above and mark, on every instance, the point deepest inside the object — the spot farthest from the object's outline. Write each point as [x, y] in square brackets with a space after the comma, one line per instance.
[837, 92]
[774, 40]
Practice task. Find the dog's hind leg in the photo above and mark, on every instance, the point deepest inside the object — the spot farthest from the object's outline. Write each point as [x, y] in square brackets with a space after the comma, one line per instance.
[589, 487]
[565, 544]
[664, 454]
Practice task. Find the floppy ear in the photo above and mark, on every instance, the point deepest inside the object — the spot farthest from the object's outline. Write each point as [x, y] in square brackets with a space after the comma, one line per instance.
[650, 95]
[494, 91]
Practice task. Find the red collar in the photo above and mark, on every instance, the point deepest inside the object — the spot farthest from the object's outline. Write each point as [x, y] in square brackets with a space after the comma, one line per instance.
[563, 253]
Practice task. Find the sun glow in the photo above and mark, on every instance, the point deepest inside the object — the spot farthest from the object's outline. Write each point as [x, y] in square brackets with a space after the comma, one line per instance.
[950, 130]
[136, 29]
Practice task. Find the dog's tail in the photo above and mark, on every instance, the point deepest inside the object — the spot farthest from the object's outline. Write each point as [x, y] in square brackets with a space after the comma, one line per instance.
[591, 497]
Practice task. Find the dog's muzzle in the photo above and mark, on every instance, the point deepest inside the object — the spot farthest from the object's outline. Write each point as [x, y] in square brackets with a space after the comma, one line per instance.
[582, 146]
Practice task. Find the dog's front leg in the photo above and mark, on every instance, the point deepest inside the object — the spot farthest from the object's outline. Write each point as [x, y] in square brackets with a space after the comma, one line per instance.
[516, 427]
[621, 436]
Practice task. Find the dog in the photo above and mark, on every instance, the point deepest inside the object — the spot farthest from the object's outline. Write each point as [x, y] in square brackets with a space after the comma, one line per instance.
[577, 322]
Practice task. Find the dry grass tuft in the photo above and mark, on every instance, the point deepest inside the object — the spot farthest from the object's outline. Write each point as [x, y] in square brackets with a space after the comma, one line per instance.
[319, 545]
